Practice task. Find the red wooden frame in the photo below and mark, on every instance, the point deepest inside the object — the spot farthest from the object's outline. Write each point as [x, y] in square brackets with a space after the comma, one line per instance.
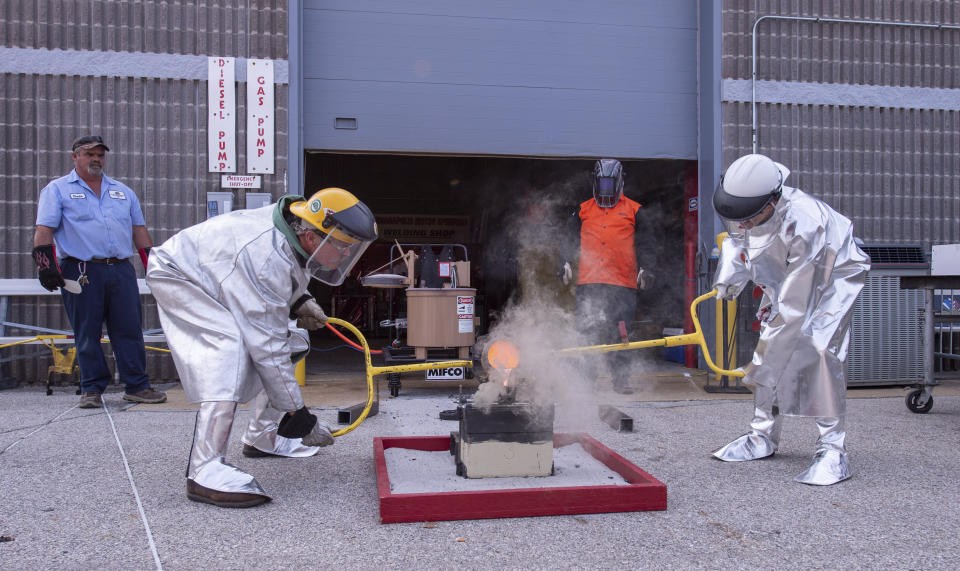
[643, 493]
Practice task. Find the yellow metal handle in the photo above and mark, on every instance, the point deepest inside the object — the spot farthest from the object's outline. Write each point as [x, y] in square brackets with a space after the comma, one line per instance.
[703, 342]
[695, 338]
[371, 371]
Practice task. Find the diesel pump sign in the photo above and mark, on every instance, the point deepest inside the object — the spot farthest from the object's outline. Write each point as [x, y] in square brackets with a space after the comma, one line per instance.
[445, 374]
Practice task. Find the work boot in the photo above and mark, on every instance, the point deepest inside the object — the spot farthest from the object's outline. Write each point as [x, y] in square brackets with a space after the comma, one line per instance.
[90, 400]
[205, 495]
[830, 464]
[261, 440]
[146, 396]
[764, 435]
[210, 479]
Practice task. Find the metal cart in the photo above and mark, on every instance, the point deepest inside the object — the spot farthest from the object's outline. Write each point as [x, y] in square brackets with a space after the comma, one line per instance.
[939, 326]
[429, 278]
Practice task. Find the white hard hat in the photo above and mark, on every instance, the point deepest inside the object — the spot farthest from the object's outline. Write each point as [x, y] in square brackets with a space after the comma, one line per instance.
[749, 184]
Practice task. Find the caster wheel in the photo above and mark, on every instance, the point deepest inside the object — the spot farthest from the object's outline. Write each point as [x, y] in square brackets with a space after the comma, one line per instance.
[394, 384]
[913, 402]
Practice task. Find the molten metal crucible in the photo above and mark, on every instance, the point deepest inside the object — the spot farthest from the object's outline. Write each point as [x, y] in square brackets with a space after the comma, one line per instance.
[503, 355]
[503, 358]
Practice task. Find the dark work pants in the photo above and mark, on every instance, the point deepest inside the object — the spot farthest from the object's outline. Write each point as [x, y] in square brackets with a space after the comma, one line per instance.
[600, 308]
[111, 298]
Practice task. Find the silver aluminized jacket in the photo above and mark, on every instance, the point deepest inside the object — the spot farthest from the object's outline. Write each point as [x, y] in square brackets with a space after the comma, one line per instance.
[224, 289]
[811, 271]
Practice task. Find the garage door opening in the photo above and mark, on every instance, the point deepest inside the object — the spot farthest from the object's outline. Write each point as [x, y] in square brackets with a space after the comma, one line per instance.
[510, 215]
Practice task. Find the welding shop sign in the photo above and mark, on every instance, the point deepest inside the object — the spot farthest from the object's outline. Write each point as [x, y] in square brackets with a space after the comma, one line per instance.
[423, 228]
[464, 314]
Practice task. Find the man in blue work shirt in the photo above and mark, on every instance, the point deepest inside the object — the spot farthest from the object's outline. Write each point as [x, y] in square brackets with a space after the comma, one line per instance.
[92, 222]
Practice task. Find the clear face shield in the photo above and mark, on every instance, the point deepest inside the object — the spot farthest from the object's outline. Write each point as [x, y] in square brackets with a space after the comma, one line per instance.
[758, 231]
[605, 192]
[333, 259]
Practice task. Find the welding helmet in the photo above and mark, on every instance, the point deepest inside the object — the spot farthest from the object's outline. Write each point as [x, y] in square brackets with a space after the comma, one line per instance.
[749, 185]
[345, 226]
[607, 182]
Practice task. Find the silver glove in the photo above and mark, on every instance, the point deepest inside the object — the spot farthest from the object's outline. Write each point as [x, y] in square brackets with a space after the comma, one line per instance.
[319, 436]
[642, 279]
[728, 292]
[567, 273]
[310, 315]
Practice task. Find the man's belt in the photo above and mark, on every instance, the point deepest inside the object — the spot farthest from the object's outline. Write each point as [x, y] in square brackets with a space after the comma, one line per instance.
[107, 261]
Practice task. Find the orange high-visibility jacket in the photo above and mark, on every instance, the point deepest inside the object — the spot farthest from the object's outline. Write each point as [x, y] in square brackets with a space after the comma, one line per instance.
[607, 243]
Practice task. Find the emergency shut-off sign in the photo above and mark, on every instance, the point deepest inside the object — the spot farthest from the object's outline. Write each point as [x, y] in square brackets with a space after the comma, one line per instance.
[222, 125]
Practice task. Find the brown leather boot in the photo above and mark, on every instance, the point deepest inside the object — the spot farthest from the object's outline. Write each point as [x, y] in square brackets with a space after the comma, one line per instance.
[254, 452]
[205, 495]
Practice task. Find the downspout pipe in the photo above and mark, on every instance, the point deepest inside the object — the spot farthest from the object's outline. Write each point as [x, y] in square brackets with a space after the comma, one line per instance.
[753, 54]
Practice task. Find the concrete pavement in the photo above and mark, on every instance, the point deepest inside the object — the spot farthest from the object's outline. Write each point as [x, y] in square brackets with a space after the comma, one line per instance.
[67, 500]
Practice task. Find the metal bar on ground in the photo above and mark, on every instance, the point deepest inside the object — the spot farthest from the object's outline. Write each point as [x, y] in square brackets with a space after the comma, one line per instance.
[348, 415]
[617, 419]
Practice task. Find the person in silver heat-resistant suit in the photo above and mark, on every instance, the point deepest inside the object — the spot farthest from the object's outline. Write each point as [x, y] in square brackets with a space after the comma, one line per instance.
[229, 291]
[802, 254]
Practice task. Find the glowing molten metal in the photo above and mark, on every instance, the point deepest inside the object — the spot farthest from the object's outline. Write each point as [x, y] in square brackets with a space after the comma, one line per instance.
[504, 357]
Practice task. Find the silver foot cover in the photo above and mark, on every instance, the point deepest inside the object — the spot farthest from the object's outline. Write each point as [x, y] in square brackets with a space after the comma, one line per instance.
[262, 434]
[830, 463]
[210, 438]
[764, 436]
[748, 447]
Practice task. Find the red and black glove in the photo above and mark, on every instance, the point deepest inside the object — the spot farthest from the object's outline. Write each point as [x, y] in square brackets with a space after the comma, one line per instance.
[47, 269]
[297, 424]
[144, 255]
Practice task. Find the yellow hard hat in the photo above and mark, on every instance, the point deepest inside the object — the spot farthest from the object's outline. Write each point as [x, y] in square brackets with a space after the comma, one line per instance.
[338, 213]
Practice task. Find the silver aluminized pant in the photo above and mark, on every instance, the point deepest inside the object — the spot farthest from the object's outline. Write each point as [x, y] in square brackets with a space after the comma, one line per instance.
[764, 435]
[211, 435]
[262, 434]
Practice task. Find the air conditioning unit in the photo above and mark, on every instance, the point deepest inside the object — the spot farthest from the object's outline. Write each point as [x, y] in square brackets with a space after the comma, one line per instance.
[885, 344]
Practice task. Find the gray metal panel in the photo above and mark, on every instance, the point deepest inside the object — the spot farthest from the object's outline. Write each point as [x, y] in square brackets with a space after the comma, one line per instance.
[253, 28]
[894, 171]
[498, 78]
[156, 128]
[845, 53]
[885, 344]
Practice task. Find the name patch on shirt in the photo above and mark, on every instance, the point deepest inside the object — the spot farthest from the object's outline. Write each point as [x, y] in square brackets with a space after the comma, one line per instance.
[118, 194]
[77, 195]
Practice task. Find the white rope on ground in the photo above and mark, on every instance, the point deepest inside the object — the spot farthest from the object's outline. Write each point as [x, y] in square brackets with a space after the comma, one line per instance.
[136, 494]
[39, 428]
